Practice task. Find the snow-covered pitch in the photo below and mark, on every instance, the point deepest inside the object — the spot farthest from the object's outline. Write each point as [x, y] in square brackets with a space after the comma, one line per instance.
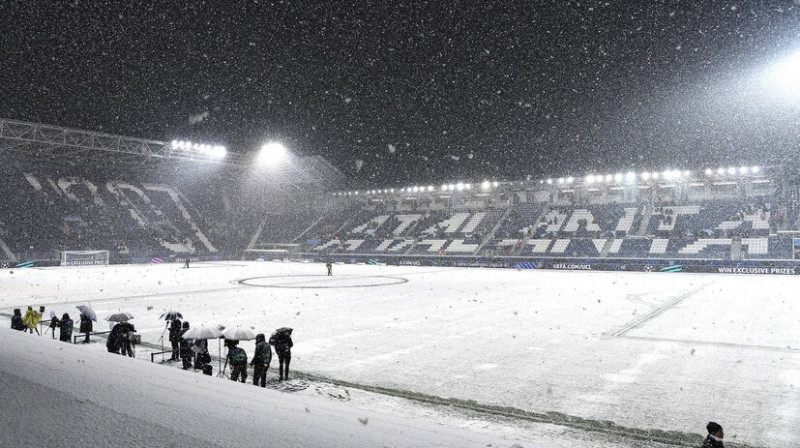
[646, 351]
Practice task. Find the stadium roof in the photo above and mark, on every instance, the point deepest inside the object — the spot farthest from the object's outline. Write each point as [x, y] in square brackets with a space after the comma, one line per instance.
[42, 140]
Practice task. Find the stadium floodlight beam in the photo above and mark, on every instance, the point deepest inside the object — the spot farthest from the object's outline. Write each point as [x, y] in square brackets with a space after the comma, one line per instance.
[784, 76]
[731, 170]
[272, 153]
[755, 169]
[486, 185]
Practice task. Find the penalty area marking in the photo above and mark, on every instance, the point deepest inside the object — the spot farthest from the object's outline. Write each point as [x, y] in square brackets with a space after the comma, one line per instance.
[321, 281]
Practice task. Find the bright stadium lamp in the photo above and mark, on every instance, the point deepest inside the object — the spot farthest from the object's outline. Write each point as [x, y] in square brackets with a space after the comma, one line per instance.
[495, 184]
[731, 170]
[754, 169]
[272, 153]
[486, 185]
[784, 76]
[590, 179]
[630, 176]
[720, 171]
[709, 172]
[645, 176]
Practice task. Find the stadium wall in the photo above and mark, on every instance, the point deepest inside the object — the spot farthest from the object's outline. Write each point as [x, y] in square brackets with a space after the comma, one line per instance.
[749, 267]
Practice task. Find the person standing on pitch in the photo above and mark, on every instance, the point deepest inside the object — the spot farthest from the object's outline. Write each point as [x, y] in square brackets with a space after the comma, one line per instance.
[283, 347]
[66, 328]
[16, 321]
[261, 360]
[175, 338]
[85, 327]
[186, 347]
[238, 359]
[186, 263]
[330, 268]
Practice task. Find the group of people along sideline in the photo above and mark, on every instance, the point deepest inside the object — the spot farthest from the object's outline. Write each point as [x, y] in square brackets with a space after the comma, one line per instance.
[191, 353]
[30, 322]
[194, 353]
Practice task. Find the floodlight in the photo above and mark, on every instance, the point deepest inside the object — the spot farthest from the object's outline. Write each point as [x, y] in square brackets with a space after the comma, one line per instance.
[590, 179]
[731, 170]
[687, 173]
[460, 186]
[495, 184]
[430, 187]
[743, 170]
[709, 172]
[784, 76]
[549, 181]
[609, 178]
[485, 185]
[645, 176]
[630, 177]
[570, 179]
[655, 175]
[451, 187]
[468, 186]
[720, 171]
[561, 180]
[618, 177]
[754, 169]
[272, 153]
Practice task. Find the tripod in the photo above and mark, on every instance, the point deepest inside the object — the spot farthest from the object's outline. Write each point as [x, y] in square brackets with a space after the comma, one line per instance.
[161, 339]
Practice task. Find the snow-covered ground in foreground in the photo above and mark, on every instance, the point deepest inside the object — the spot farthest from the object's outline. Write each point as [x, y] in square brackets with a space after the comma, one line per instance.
[645, 351]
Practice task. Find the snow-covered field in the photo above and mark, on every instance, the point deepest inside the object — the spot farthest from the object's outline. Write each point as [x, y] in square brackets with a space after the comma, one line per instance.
[645, 351]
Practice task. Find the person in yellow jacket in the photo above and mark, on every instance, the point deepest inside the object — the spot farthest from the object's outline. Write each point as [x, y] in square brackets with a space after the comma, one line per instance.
[31, 319]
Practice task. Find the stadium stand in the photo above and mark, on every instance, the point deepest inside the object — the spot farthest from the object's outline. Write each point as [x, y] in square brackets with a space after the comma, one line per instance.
[136, 207]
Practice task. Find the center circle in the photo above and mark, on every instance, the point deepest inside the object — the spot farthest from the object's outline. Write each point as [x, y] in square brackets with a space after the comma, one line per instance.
[320, 281]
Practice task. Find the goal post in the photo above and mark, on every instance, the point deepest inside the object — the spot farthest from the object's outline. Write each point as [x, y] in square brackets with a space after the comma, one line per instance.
[84, 258]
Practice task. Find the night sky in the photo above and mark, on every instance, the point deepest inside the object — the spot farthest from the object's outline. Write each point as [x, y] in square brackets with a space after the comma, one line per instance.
[418, 92]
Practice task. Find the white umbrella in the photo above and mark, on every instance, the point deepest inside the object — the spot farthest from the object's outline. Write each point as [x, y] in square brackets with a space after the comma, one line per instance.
[239, 334]
[202, 332]
[122, 316]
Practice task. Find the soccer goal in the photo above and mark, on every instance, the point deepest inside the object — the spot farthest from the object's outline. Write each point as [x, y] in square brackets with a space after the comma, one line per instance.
[84, 258]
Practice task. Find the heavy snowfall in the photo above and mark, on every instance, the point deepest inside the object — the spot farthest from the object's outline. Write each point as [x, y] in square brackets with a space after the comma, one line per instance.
[412, 356]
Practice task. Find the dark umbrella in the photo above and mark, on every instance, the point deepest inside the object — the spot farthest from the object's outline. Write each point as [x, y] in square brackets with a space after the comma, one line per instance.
[170, 315]
[87, 311]
[283, 330]
[121, 316]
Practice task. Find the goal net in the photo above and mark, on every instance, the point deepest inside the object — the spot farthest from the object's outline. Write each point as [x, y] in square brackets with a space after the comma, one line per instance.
[84, 258]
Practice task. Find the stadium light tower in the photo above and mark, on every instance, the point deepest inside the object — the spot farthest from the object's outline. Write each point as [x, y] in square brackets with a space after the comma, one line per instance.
[272, 153]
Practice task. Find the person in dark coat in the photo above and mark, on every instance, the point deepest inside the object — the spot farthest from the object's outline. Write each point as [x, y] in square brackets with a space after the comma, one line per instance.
[175, 338]
[112, 343]
[714, 437]
[201, 357]
[330, 268]
[237, 357]
[261, 360]
[53, 324]
[16, 320]
[66, 328]
[283, 347]
[86, 327]
[186, 348]
[124, 337]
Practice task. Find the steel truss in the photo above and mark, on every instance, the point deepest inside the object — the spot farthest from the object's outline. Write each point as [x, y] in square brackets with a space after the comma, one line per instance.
[301, 173]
